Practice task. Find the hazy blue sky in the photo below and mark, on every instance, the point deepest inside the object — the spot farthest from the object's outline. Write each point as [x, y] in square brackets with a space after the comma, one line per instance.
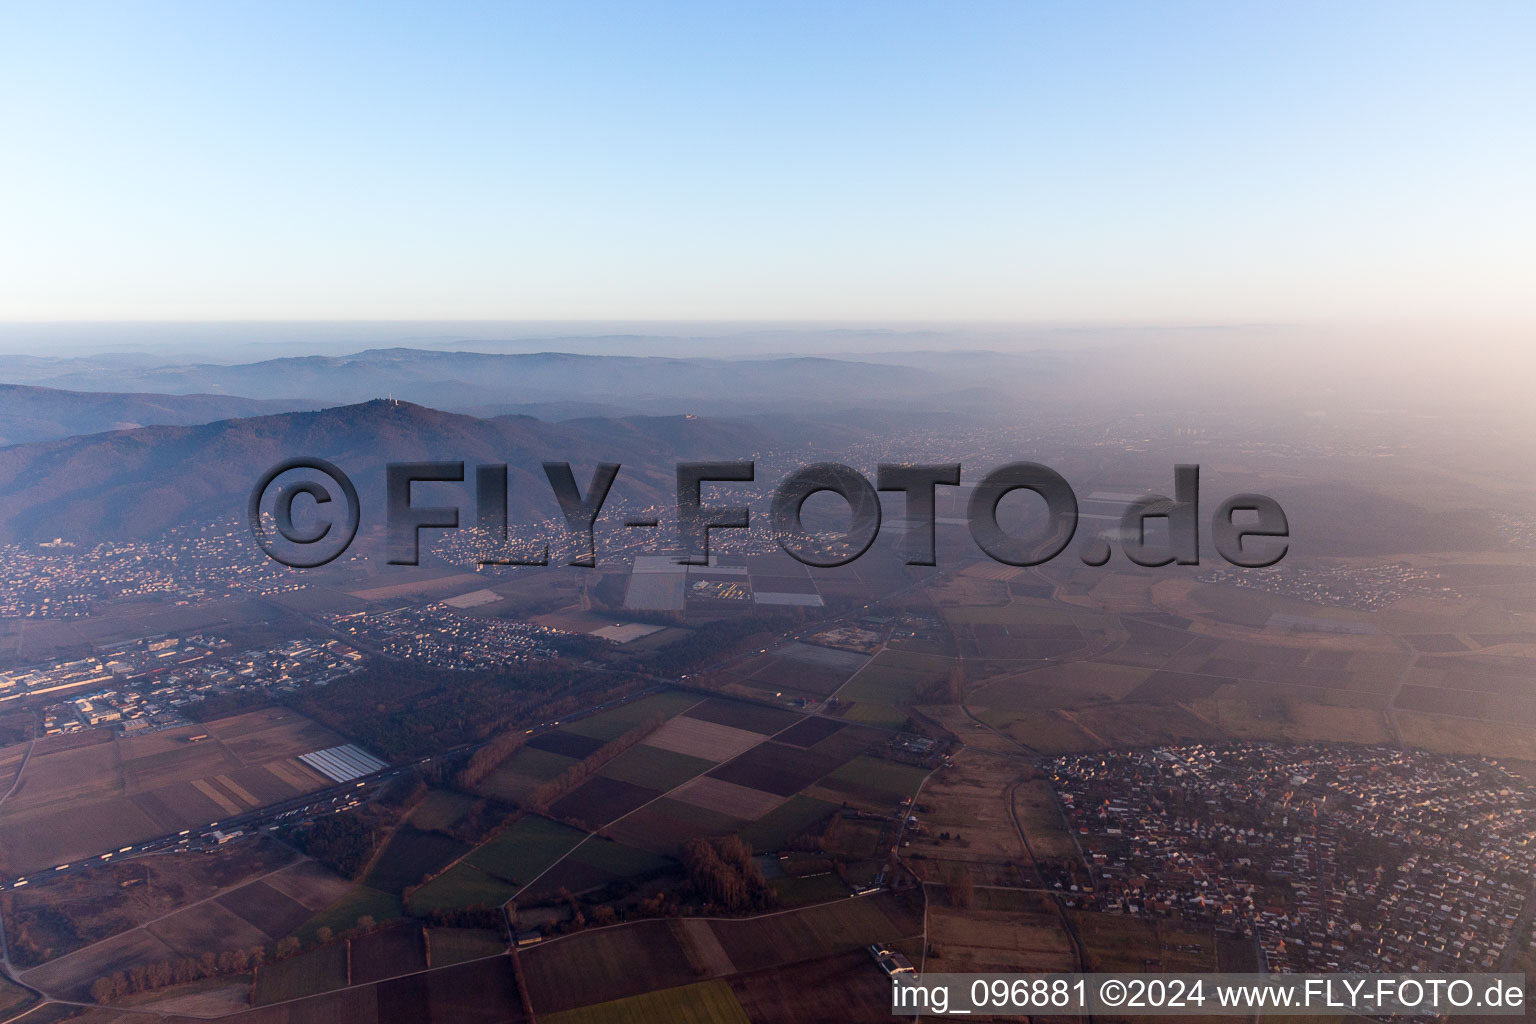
[885, 161]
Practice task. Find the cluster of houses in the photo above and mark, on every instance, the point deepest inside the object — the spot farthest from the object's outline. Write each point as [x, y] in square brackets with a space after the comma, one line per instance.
[1332, 858]
[189, 563]
[441, 637]
[1364, 588]
[477, 549]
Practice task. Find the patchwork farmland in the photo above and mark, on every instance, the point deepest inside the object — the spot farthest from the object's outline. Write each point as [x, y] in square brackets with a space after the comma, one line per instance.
[599, 968]
[715, 767]
[718, 769]
[92, 792]
[242, 898]
[448, 858]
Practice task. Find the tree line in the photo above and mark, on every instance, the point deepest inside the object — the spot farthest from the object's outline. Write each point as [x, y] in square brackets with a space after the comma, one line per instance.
[491, 756]
[541, 798]
[149, 977]
[165, 973]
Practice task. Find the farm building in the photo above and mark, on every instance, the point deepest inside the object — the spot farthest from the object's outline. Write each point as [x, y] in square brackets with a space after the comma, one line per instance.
[891, 962]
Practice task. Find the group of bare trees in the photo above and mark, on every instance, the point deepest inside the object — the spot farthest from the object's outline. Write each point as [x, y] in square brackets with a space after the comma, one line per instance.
[343, 842]
[724, 873]
[540, 799]
[36, 932]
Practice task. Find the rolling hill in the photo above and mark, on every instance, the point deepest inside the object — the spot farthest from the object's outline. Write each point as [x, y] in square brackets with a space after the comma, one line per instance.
[136, 483]
[40, 414]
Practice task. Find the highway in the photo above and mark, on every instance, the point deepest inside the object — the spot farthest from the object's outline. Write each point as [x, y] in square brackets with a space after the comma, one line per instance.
[294, 811]
[198, 838]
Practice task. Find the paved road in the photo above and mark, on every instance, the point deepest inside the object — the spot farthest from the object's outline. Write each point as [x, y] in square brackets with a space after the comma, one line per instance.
[291, 811]
[16, 782]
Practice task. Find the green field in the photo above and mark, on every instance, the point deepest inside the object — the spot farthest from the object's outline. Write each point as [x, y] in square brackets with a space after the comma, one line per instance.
[618, 859]
[796, 892]
[411, 855]
[440, 810]
[610, 725]
[791, 818]
[1061, 685]
[522, 773]
[892, 680]
[343, 914]
[868, 712]
[524, 849]
[655, 768]
[875, 779]
[307, 974]
[890, 686]
[708, 1002]
[595, 863]
[456, 945]
[1019, 612]
[460, 886]
[492, 873]
[921, 664]
[859, 838]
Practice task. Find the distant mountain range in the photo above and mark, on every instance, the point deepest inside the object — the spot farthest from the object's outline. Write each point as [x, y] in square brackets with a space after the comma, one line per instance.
[41, 414]
[162, 444]
[550, 382]
[136, 483]
[960, 385]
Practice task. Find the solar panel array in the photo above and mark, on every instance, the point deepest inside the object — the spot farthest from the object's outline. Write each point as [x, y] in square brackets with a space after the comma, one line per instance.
[343, 764]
